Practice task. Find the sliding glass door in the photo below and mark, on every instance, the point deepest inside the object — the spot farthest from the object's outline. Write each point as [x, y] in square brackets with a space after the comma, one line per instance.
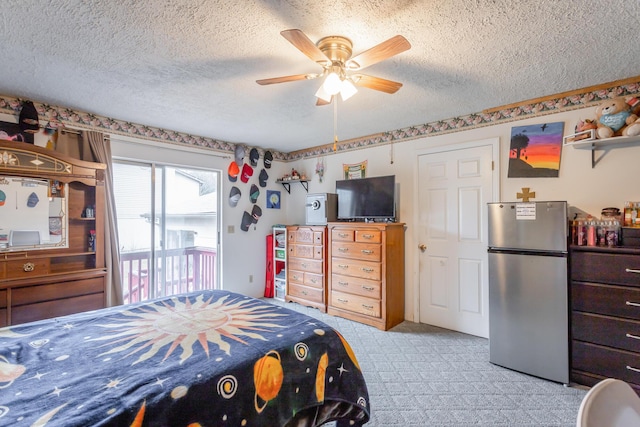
[168, 229]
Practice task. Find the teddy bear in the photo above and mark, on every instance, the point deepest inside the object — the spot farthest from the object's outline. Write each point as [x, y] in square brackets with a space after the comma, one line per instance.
[614, 118]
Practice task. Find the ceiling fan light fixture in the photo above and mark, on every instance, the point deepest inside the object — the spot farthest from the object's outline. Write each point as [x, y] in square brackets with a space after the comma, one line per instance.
[322, 94]
[347, 89]
[332, 84]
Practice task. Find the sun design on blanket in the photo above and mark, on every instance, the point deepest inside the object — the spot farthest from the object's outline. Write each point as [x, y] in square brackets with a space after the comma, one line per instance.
[185, 323]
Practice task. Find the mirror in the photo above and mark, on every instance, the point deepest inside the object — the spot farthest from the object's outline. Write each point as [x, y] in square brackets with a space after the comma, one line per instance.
[33, 214]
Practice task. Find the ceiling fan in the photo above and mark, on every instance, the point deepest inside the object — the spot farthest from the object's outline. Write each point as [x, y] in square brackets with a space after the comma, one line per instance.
[340, 70]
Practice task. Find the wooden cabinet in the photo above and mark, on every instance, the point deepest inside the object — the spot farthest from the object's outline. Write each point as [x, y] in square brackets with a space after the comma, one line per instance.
[366, 272]
[605, 315]
[307, 266]
[42, 281]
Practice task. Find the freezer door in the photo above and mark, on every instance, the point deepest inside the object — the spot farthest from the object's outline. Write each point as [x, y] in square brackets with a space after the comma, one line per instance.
[529, 314]
[538, 226]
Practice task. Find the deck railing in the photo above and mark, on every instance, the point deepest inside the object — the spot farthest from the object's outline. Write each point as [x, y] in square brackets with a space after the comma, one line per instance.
[177, 271]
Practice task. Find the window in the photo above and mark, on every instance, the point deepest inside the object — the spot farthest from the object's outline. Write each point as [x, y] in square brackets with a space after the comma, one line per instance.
[168, 229]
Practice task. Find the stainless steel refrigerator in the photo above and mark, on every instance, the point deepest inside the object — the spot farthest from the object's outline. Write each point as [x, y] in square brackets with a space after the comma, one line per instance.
[528, 294]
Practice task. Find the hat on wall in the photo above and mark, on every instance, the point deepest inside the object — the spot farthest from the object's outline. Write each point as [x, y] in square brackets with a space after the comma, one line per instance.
[256, 213]
[239, 154]
[234, 196]
[247, 171]
[32, 200]
[268, 157]
[253, 157]
[28, 118]
[263, 177]
[247, 220]
[254, 193]
[233, 171]
[3, 197]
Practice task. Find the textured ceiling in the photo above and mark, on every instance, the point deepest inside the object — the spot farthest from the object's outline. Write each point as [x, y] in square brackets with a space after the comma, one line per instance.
[191, 65]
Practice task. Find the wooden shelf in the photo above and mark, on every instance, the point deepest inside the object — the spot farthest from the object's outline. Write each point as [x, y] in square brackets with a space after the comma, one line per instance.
[604, 145]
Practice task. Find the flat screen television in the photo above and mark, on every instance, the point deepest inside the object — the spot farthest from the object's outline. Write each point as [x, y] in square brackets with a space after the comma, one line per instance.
[367, 199]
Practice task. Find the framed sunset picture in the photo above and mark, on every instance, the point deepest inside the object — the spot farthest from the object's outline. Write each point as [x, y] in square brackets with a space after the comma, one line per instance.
[535, 150]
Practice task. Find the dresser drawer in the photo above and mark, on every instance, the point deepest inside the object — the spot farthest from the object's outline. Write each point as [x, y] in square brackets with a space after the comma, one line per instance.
[342, 235]
[605, 268]
[305, 265]
[3, 299]
[606, 362]
[48, 309]
[363, 251]
[616, 301]
[605, 330]
[306, 251]
[368, 236]
[314, 280]
[357, 286]
[305, 292]
[27, 267]
[303, 235]
[355, 268]
[57, 291]
[356, 303]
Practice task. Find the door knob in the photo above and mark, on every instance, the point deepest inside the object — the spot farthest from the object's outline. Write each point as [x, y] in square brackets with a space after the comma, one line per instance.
[422, 247]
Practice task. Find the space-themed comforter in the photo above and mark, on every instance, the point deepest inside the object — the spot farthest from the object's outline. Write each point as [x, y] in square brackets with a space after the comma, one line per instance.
[210, 358]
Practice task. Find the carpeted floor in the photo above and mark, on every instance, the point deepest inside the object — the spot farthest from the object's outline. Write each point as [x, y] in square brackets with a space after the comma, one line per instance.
[420, 375]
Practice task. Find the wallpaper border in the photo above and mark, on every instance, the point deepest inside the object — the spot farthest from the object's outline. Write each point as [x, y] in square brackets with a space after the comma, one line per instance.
[56, 116]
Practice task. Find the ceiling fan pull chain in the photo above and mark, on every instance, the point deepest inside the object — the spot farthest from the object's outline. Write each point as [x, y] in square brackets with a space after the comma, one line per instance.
[335, 124]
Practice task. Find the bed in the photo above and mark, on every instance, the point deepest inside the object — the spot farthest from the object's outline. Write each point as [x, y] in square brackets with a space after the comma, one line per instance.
[209, 358]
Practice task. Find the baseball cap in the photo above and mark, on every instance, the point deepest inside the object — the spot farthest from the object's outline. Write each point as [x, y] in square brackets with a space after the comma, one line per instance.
[268, 157]
[263, 177]
[247, 220]
[253, 157]
[254, 193]
[233, 171]
[234, 196]
[239, 154]
[28, 119]
[247, 171]
[256, 213]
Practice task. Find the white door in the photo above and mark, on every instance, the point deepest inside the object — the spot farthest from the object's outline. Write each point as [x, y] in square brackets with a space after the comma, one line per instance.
[454, 188]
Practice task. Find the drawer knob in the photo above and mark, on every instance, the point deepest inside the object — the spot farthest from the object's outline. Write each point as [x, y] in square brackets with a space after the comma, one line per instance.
[28, 266]
[343, 235]
[634, 304]
[344, 301]
[367, 252]
[630, 270]
[343, 249]
[368, 307]
[343, 283]
[368, 288]
[635, 337]
[343, 266]
[631, 368]
[367, 269]
[368, 236]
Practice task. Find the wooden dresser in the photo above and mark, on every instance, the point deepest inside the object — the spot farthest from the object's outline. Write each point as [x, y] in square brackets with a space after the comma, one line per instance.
[39, 281]
[366, 267]
[307, 266]
[605, 315]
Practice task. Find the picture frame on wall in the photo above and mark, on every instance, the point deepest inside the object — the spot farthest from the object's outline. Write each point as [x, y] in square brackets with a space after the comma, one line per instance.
[534, 150]
[273, 199]
[355, 171]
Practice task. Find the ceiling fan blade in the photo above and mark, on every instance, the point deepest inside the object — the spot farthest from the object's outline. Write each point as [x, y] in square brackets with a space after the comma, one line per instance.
[321, 102]
[306, 46]
[285, 79]
[384, 50]
[376, 83]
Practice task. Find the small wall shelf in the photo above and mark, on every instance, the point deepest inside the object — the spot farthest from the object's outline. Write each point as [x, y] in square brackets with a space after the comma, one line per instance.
[604, 144]
[287, 184]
